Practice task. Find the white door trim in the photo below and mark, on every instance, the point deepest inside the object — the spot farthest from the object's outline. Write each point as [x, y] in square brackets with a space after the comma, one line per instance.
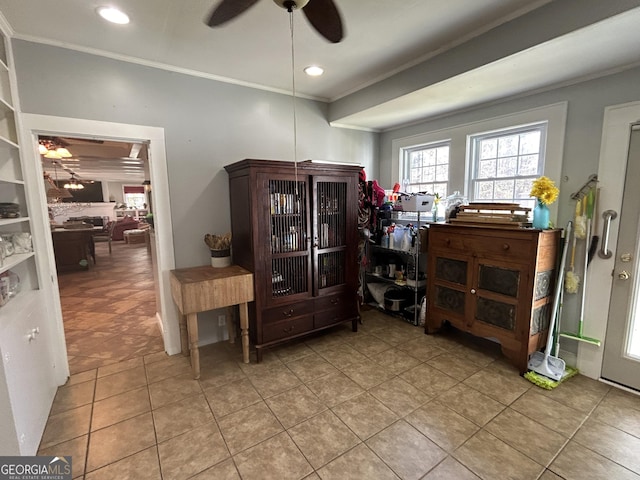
[614, 149]
[33, 124]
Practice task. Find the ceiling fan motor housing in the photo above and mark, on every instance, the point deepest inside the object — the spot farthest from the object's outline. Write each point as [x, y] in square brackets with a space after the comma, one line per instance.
[291, 4]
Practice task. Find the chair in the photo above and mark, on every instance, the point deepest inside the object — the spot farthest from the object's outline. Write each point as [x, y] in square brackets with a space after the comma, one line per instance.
[106, 234]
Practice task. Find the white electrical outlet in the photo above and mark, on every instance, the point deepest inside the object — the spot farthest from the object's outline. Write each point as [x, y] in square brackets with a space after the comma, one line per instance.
[221, 321]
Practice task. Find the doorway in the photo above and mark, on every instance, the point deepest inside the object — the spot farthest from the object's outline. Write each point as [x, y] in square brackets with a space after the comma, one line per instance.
[614, 153]
[35, 125]
[621, 362]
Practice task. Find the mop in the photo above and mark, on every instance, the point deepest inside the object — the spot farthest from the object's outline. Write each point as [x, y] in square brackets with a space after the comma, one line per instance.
[544, 363]
[571, 280]
[580, 336]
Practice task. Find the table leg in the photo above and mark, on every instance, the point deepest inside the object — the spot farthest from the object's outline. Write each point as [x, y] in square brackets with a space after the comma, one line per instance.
[192, 327]
[231, 329]
[184, 337]
[244, 329]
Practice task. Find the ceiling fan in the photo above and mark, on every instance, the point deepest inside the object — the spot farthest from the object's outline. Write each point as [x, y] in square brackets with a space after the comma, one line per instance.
[323, 15]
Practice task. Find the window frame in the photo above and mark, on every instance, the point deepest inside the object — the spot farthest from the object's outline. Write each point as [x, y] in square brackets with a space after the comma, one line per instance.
[406, 168]
[474, 158]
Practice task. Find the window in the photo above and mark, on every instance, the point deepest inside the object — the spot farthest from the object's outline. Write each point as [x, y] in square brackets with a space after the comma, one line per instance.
[506, 162]
[134, 196]
[427, 169]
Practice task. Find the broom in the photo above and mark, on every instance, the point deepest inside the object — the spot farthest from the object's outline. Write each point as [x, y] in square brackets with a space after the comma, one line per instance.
[571, 280]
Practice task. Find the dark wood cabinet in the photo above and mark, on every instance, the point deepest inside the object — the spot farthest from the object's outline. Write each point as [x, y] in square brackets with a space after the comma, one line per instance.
[493, 283]
[295, 228]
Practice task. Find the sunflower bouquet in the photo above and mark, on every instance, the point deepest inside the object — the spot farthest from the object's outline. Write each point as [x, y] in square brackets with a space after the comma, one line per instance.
[545, 190]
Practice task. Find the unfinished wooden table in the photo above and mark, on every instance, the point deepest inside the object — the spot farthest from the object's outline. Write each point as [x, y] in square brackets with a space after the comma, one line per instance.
[198, 289]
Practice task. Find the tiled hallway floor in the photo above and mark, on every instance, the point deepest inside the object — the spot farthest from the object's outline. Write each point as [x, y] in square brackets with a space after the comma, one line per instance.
[387, 402]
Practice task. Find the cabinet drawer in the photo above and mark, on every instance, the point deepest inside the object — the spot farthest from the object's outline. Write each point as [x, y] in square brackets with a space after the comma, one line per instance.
[286, 328]
[515, 248]
[331, 317]
[287, 311]
[340, 300]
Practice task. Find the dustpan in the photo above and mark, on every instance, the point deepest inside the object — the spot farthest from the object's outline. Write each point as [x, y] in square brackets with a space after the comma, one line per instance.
[544, 363]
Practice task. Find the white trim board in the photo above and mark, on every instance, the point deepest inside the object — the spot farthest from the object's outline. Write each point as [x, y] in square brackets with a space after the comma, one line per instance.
[33, 125]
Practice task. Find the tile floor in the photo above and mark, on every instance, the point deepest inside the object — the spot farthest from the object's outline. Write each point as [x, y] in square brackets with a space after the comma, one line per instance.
[386, 402]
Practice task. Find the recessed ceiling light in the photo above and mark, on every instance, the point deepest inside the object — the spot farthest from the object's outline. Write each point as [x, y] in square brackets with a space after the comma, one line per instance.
[314, 70]
[113, 15]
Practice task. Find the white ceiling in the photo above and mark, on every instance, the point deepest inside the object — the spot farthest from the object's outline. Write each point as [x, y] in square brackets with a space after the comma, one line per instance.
[383, 39]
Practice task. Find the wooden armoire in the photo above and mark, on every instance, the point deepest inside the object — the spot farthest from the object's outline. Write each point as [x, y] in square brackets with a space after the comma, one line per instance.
[295, 227]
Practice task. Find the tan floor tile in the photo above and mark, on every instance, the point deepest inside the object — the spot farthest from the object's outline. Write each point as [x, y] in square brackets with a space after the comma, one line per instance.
[457, 367]
[399, 396]
[66, 426]
[579, 392]
[296, 351]
[120, 440]
[358, 463]
[168, 367]
[395, 335]
[120, 407]
[120, 382]
[501, 387]
[79, 364]
[451, 469]
[528, 437]
[223, 373]
[365, 415]
[548, 412]
[549, 475]
[618, 414]
[367, 374]
[369, 345]
[620, 398]
[205, 449]
[442, 425]
[616, 445]
[73, 396]
[396, 360]
[248, 427]
[223, 471]
[311, 367]
[334, 389]
[323, 438]
[471, 404]
[155, 357]
[173, 389]
[140, 466]
[274, 381]
[430, 380]
[120, 366]
[422, 348]
[277, 458]
[342, 355]
[477, 355]
[409, 453]
[488, 457]
[576, 462]
[82, 377]
[295, 405]
[181, 416]
[76, 448]
[231, 397]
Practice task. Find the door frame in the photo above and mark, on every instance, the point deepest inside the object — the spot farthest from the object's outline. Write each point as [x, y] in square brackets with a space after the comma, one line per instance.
[33, 125]
[614, 150]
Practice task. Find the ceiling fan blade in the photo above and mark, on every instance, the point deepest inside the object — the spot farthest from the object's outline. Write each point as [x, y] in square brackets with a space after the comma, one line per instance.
[227, 10]
[324, 16]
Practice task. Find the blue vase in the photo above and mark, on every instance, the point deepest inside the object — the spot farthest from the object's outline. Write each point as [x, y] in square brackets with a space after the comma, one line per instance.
[540, 216]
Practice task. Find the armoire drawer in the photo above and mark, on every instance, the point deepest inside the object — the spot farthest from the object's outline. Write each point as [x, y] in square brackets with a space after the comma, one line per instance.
[339, 300]
[331, 317]
[287, 311]
[286, 328]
